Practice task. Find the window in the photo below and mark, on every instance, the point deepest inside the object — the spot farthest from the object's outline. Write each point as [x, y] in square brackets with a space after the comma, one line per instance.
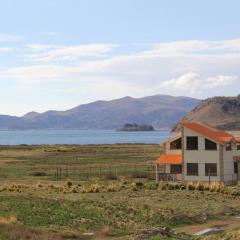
[192, 169]
[211, 169]
[210, 145]
[229, 147]
[236, 167]
[238, 147]
[175, 168]
[177, 144]
[192, 143]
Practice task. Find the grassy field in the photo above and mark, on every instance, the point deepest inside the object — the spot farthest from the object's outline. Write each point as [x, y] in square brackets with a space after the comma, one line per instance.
[76, 161]
[122, 208]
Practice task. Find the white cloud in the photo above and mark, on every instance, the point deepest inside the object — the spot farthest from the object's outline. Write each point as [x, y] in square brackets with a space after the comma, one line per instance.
[69, 53]
[180, 48]
[194, 83]
[40, 73]
[199, 68]
[5, 49]
[7, 38]
[39, 47]
[104, 89]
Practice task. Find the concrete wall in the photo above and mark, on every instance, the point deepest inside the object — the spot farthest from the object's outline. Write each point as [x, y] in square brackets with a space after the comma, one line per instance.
[228, 166]
[200, 156]
[229, 175]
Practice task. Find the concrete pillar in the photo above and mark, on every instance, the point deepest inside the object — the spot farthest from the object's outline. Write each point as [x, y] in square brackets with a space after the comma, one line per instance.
[221, 162]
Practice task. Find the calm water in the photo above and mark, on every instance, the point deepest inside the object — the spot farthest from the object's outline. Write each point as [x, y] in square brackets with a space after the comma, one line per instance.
[79, 137]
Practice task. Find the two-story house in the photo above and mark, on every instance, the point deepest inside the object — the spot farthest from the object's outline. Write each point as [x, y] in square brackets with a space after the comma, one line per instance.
[201, 153]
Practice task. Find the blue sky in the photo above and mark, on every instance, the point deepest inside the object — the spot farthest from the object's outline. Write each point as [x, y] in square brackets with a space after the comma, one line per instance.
[56, 54]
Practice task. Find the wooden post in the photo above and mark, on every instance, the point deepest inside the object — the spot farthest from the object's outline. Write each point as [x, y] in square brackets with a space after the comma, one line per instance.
[157, 174]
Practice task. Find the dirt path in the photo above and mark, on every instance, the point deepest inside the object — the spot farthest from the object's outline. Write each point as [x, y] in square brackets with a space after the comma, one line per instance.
[224, 223]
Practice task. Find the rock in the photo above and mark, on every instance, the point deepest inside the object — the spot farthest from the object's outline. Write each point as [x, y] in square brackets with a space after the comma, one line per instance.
[146, 234]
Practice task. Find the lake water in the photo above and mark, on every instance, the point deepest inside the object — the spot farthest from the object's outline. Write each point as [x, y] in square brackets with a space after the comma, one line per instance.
[35, 137]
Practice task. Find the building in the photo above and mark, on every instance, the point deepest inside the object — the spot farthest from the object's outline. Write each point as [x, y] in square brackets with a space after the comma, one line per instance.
[200, 153]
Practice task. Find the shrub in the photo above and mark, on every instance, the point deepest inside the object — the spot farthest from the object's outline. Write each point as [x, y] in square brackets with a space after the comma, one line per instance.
[111, 187]
[199, 186]
[206, 186]
[83, 189]
[137, 185]
[39, 174]
[69, 184]
[111, 176]
[95, 188]
[163, 185]
[171, 186]
[152, 186]
[39, 185]
[190, 186]
[74, 190]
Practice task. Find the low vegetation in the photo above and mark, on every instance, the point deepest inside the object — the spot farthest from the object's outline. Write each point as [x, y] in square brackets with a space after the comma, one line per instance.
[34, 206]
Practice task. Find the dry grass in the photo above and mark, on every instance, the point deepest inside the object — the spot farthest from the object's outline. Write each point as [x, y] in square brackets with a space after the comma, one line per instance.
[12, 231]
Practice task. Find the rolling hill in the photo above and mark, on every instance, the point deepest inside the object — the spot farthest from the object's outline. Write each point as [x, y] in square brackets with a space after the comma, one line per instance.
[219, 112]
[161, 111]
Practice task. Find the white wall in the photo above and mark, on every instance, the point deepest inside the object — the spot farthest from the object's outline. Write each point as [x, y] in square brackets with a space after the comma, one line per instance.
[229, 174]
[200, 156]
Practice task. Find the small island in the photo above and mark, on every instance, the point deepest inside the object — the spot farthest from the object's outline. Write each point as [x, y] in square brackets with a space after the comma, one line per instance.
[128, 127]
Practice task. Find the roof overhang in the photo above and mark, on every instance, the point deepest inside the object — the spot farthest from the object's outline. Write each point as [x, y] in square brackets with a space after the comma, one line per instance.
[169, 159]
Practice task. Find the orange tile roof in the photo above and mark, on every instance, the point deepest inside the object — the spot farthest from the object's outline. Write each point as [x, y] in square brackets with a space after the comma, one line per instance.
[169, 159]
[211, 133]
[237, 139]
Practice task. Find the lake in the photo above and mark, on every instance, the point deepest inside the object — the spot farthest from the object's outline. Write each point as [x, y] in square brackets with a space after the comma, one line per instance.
[36, 137]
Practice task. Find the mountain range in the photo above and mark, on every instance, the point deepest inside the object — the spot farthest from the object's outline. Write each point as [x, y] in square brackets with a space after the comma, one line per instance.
[160, 111]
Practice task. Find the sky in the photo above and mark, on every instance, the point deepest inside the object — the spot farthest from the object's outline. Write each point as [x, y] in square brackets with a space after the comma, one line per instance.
[57, 54]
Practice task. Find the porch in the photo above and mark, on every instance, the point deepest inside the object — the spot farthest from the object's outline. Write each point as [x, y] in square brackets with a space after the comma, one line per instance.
[168, 168]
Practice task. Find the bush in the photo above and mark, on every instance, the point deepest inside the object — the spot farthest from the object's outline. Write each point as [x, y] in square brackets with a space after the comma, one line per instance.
[137, 185]
[199, 186]
[190, 186]
[152, 186]
[111, 187]
[163, 185]
[69, 184]
[95, 188]
[39, 174]
[111, 176]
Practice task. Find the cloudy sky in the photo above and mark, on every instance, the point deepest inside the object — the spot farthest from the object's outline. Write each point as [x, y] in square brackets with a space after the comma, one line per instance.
[56, 54]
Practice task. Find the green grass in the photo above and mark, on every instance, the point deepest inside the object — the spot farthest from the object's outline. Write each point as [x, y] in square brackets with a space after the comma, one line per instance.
[111, 209]
[125, 212]
[77, 161]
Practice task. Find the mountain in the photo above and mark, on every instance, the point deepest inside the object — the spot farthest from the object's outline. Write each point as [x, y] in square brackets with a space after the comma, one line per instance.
[160, 111]
[219, 112]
